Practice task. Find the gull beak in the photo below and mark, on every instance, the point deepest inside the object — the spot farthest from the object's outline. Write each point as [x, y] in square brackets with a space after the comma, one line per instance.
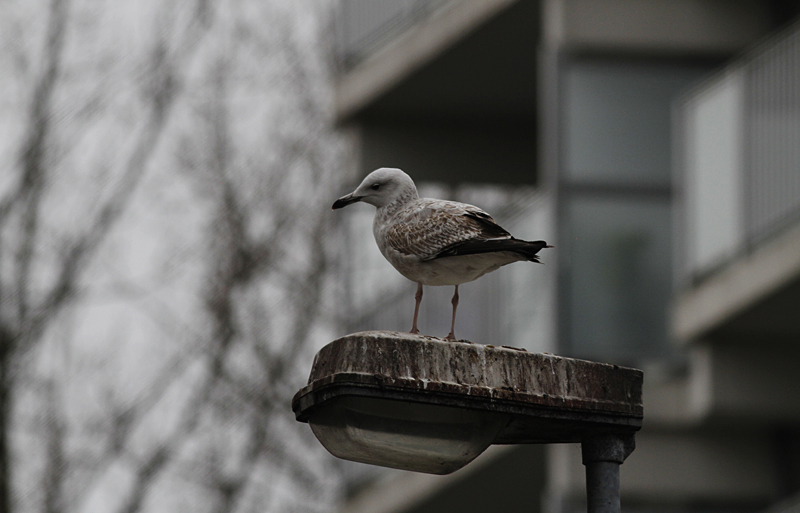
[346, 200]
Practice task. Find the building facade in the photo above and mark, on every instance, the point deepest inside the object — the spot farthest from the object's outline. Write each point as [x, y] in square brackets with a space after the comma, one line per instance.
[671, 199]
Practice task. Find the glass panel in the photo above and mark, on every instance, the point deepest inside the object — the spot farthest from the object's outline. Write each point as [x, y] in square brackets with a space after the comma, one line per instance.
[617, 120]
[712, 161]
[619, 278]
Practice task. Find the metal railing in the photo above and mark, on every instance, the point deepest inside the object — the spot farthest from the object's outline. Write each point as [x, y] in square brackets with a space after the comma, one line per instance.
[772, 137]
[364, 26]
[738, 157]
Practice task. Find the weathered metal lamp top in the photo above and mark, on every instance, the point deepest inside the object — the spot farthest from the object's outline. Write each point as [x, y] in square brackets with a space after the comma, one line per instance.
[430, 405]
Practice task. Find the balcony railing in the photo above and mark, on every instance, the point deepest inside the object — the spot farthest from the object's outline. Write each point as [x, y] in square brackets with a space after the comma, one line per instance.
[739, 157]
[364, 26]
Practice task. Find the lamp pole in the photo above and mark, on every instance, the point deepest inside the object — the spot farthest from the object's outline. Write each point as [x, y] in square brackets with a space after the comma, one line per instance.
[602, 455]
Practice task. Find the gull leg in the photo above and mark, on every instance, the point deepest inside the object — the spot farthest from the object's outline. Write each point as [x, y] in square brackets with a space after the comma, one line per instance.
[418, 297]
[452, 335]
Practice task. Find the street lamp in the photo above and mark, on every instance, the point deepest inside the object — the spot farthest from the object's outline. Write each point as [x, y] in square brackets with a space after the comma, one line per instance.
[430, 405]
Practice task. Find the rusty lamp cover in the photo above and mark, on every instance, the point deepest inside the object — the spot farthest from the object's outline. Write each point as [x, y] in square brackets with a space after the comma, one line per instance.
[429, 405]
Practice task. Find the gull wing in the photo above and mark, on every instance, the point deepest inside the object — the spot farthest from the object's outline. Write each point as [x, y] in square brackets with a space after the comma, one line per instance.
[431, 227]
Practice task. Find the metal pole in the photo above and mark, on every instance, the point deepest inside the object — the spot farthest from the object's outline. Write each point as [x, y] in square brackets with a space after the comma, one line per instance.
[602, 456]
[602, 487]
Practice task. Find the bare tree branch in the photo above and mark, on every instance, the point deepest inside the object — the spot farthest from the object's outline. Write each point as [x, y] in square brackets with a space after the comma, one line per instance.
[231, 488]
[56, 466]
[22, 329]
[162, 89]
[265, 266]
[147, 472]
[31, 184]
[33, 152]
[39, 120]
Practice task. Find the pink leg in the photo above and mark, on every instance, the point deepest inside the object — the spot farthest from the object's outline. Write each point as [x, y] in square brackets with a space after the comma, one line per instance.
[418, 297]
[452, 335]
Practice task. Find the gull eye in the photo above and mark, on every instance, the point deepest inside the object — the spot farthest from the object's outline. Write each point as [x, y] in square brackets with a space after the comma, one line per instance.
[375, 186]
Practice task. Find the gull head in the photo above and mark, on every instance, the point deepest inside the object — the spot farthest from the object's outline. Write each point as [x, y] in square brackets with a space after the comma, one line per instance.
[381, 187]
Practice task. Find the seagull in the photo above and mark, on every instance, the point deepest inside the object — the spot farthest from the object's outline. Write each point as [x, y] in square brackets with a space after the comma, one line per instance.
[435, 242]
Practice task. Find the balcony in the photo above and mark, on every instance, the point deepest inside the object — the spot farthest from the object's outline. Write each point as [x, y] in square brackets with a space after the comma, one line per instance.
[738, 257]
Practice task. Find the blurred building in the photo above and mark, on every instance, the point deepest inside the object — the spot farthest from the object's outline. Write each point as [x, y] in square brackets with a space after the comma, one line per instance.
[656, 143]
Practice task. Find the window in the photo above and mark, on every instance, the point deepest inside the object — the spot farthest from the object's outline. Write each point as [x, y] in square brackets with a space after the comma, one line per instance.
[615, 213]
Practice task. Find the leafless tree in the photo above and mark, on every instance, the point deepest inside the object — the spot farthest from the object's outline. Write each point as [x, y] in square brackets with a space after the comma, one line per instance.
[232, 100]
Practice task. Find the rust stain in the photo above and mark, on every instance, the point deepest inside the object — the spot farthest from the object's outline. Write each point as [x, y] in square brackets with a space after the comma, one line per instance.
[407, 362]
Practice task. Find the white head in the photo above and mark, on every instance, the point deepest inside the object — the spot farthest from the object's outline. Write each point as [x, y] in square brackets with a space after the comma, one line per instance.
[381, 187]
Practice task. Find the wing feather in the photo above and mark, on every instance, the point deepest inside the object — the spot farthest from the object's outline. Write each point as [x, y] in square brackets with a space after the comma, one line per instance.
[435, 226]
